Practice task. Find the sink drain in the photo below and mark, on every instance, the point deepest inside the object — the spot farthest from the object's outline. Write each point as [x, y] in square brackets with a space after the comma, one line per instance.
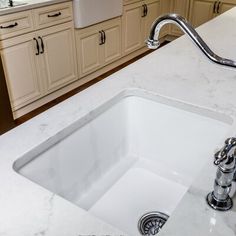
[151, 223]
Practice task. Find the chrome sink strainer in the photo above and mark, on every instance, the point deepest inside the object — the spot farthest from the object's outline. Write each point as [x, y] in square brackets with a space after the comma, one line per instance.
[151, 223]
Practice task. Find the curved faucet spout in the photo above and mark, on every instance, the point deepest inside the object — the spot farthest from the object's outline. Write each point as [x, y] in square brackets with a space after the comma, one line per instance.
[153, 42]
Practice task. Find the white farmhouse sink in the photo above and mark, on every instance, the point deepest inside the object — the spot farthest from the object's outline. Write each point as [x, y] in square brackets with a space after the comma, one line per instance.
[89, 12]
[132, 156]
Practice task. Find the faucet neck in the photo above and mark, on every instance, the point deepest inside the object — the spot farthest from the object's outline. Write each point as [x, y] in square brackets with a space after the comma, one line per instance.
[183, 24]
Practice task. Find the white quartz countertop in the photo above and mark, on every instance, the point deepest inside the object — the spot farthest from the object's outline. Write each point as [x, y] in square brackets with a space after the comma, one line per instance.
[30, 4]
[178, 71]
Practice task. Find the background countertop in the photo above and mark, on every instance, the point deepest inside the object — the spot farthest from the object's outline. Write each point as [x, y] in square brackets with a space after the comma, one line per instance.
[31, 4]
[178, 71]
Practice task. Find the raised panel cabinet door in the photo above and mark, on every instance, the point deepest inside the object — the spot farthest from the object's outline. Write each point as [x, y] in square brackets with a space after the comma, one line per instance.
[88, 51]
[180, 7]
[19, 63]
[153, 11]
[201, 11]
[59, 60]
[132, 28]
[112, 45]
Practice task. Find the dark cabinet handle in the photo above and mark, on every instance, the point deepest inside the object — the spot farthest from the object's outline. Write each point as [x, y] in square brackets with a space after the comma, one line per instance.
[9, 26]
[144, 10]
[101, 41]
[218, 8]
[37, 46]
[55, 15]
[104, 37]
[214, 8]
[42, 45]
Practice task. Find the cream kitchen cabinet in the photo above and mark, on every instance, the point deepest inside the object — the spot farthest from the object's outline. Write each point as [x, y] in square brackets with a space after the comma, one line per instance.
[58, 56]
[136, 22]
[21, 70]
[132, 27]
[98, 45]
[202, 11]
[180, 7]
[38, 63]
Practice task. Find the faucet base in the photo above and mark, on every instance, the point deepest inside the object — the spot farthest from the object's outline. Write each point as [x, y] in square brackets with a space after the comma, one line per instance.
[220, 205]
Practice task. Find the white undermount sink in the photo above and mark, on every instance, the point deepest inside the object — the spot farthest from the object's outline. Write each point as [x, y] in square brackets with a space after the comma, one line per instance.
[89, 12]
[133, 155]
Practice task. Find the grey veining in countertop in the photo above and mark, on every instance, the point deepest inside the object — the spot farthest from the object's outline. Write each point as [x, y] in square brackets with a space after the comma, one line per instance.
[178, 71]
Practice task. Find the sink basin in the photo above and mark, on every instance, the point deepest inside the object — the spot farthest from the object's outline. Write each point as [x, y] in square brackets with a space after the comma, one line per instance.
[89, 12]
[130, 156]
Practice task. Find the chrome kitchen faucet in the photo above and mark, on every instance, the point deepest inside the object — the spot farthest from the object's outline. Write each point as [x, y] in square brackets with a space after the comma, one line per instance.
[153, 42]
[219, 199]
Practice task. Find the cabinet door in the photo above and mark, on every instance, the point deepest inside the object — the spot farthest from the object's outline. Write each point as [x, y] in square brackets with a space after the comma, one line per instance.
[20, 67]
[153, 11]
[180, 7]
[131, 26]
[201, 11]
[226, 6]
[112, 45]
[88, 51]
[165, 9]
[57, 50]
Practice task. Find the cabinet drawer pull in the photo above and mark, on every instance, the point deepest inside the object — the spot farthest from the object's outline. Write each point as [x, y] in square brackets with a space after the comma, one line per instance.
[42, 45]
[214, 8]
[218, 8]
[102, 37]
[37, 46]
[55, 15]
[9, 26]
[144, 10]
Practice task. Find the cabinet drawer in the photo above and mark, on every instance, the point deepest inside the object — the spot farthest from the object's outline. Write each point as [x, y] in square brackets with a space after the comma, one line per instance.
[126, 2]
[52, 15]
[15, 24]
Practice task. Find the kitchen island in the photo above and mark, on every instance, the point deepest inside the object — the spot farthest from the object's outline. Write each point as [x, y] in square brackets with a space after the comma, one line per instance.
[180, 72]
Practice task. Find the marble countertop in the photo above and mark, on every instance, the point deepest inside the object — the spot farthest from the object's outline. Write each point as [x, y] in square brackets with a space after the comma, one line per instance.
[30, 4]
[178, 71]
